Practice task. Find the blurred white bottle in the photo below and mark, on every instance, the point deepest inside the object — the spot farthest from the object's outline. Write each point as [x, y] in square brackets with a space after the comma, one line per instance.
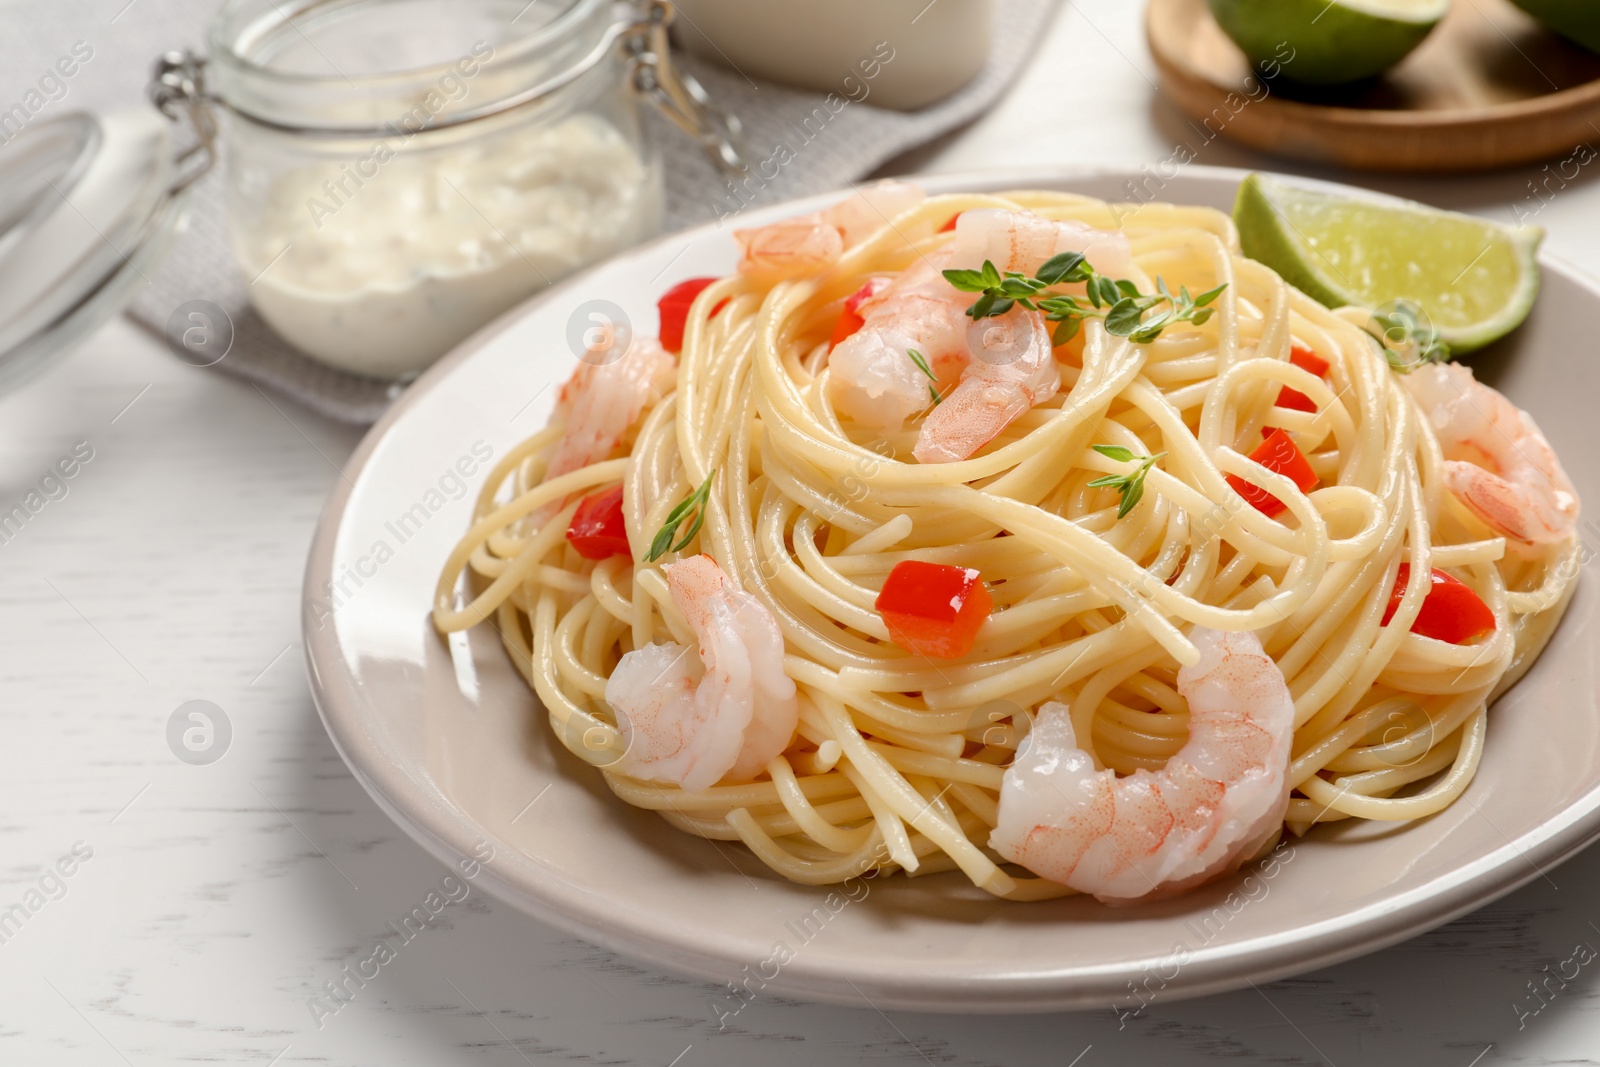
[937, 46]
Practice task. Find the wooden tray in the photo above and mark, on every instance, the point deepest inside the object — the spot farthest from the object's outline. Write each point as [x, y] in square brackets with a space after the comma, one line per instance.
[1488, 88]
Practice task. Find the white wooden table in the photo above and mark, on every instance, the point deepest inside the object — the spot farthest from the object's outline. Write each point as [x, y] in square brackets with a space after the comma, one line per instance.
[215, 900]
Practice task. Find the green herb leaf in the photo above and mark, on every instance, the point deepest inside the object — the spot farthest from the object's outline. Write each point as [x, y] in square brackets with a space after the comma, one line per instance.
[661, 544]
[1118, 301]
[922, 363]
[1406, 336]
[968, 281]
[1096, 297]
[1129, 487]
[1150, 329]
[1061, 268]
[695, 502]
[1132, 498]
[1124, 318]
[1060, 305]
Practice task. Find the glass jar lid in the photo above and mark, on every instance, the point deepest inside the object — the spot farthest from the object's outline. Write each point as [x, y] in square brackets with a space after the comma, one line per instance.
[88, 204]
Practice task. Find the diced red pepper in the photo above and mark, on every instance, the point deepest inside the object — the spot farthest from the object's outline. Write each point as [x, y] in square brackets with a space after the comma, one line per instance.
[849, 322]
[1295, 400]
[1451, 610]
[1310, 362]
[597, 530]
[674, 307]
[947, 227]
[850, 319]
[933, 608]
[1279, 454]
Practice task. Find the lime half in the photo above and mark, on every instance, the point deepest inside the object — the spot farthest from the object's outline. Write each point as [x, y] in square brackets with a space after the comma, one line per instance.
[1476, 280]
[1578, 20]
[1319, 42]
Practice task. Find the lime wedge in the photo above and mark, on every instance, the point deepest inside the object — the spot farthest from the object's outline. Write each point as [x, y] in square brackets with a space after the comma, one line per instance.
[1325, 42]
[1476, 280]
[1576, 19]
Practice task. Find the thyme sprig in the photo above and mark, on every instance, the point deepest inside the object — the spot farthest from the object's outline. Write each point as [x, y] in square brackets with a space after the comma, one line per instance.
[1118, 301]
[1130, 487]
[1406, 336]
[695, 502]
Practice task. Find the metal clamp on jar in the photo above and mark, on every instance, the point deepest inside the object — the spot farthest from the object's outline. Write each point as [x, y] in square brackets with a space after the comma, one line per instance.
[400, 172]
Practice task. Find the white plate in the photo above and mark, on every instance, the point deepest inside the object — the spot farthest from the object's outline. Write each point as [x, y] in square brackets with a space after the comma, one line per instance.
[448, 739]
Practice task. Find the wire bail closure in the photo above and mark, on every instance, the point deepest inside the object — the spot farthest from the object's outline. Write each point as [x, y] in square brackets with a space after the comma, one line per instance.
[178, 90]
[677, 94]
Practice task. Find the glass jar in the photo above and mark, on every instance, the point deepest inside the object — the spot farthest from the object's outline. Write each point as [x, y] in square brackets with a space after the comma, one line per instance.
[400, 172]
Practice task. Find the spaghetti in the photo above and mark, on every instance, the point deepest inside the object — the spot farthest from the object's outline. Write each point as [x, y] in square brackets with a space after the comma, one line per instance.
[898, 759]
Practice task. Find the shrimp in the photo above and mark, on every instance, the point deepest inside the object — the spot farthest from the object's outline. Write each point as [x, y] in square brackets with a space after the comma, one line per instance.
[872, 378]
[791, 248]
[871, 207]
[600, 403]
[999, 367]
[1497, 462]
[722, 718]
[1156, 834]
[1013, 368]
[1018, 241]
[811, 243]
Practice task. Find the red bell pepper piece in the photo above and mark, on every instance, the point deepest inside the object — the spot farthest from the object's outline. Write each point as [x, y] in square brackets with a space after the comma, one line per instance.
[1451, 610]
[1278, 453]
[850, 319]
[1293, 399]
[947, 227]
[933, 608]
[597, 530]
[674, 309]
[1310, 362]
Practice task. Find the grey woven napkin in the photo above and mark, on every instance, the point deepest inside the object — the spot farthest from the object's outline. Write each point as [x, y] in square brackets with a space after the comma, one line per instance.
[126, 37]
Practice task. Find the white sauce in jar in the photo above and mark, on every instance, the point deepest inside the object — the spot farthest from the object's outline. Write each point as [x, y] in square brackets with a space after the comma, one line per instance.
[383, 267]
